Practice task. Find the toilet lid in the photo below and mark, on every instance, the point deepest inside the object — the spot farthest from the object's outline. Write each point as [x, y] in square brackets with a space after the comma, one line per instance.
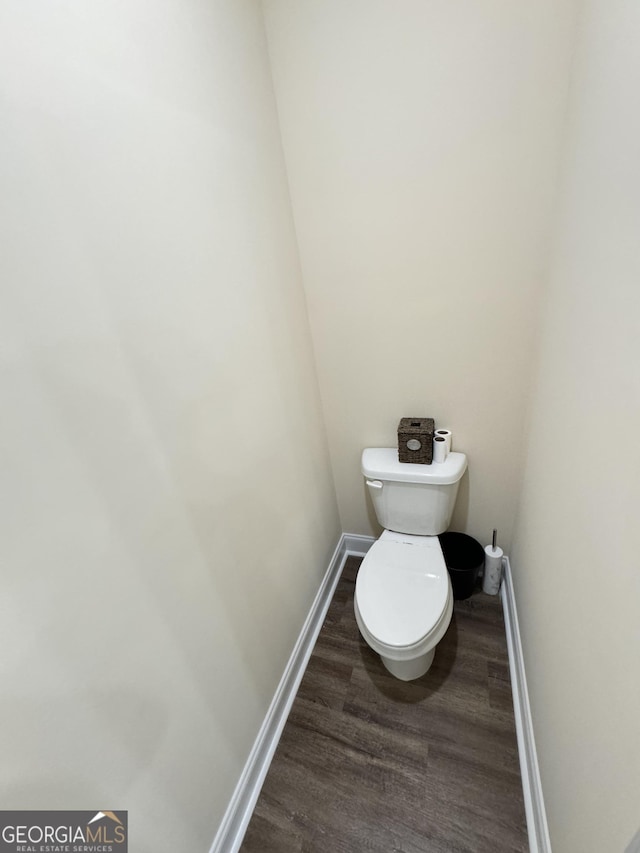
[402, 590]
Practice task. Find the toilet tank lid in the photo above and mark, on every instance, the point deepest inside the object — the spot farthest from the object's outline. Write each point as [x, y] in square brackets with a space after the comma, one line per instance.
[381, 463]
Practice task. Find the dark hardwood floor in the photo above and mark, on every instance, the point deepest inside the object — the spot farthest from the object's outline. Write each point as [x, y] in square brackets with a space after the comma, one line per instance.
[370, 763]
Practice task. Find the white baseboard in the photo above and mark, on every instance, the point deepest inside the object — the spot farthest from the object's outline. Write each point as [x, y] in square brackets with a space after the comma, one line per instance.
[236, 819]
[537, 828]
[356, 545]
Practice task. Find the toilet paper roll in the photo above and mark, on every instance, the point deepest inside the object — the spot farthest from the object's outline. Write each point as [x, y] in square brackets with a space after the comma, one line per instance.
[447, 435]
[492, 570]
[439, 448]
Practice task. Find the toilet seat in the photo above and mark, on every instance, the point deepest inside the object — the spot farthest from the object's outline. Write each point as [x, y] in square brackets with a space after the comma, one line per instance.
[403, 594]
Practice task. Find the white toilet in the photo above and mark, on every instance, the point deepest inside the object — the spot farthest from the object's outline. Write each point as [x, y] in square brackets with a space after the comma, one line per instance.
[403, 599]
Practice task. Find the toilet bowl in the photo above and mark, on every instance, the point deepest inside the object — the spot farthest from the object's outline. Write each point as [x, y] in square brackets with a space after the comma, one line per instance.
[403, 601]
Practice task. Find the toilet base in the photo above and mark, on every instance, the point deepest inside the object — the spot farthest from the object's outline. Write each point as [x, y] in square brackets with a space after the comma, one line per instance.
[409, 670]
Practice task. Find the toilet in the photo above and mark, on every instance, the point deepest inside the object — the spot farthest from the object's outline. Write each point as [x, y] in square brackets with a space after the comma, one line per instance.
[403, 600]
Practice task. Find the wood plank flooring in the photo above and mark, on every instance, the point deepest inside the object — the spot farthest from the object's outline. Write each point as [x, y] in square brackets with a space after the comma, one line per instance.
[370, 763]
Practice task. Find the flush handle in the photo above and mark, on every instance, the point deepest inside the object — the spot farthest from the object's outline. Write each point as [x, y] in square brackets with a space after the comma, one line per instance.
[374, 484]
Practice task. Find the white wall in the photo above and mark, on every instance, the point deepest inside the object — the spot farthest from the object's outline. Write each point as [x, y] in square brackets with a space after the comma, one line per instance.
[167, 504]
[576, 548]
[422, 143]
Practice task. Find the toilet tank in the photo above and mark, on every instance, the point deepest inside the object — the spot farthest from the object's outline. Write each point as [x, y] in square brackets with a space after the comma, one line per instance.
[412, 498]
